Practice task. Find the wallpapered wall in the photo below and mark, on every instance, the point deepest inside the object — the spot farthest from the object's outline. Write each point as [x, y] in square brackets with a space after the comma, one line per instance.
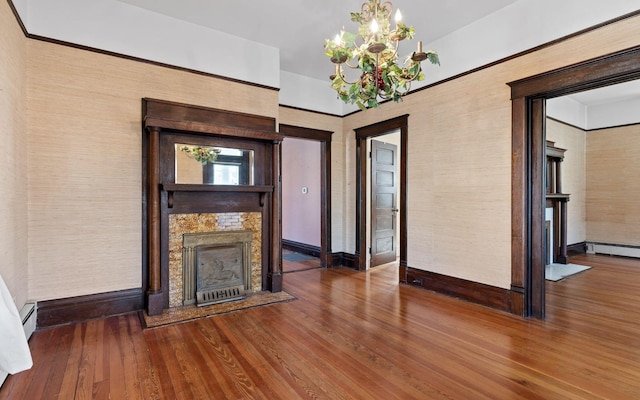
[84, 160]
[459, 159]
[598, 171]
[613, 191]
[13, 156]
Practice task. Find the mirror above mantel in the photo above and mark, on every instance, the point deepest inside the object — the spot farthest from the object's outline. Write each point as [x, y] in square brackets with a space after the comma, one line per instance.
[213, 165]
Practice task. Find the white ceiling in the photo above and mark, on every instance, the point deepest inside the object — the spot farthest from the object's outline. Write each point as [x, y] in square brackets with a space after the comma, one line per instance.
[299, 27]
[609, 94]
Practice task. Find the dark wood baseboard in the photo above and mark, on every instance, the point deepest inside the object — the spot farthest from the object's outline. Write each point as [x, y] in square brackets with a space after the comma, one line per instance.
[275, 282]
[502, 299]
[342, 259]
[576, 249]
[301, 248]
[83, 308]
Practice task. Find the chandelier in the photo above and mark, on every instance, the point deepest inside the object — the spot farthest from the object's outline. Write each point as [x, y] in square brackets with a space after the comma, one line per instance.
[373, 50]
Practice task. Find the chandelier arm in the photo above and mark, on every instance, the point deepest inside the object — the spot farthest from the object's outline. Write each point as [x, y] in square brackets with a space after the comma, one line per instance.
[411, 79]
[366, 11]
[394, 55]
[350, 66]
[387, 6]
[342, 78]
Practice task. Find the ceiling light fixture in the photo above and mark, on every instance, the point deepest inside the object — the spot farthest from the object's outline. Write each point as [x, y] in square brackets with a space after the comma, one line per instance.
[373, 50]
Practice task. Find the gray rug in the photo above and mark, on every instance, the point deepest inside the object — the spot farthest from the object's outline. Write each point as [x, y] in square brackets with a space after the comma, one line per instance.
[556, 272]
[295, 257]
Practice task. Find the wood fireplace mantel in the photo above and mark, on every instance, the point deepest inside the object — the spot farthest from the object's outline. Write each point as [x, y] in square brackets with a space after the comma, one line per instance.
[166, 123]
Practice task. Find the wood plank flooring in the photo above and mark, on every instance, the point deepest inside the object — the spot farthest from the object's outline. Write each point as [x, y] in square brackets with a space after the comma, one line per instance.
[354, 335]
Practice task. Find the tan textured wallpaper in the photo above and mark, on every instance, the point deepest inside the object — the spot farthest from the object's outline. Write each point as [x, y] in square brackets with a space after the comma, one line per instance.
[459, 159]
[84, 159]
[85, 140]
[573, 170]
[613, 187]
[13, 156]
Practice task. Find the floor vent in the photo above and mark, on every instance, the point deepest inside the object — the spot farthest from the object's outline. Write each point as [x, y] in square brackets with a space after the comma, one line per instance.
[220, 295]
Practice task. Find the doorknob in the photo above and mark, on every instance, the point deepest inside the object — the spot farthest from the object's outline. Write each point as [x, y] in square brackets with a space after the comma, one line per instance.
[394, 210]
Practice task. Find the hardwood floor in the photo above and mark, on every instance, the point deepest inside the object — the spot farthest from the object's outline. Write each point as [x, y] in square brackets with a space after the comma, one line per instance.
[354, 335]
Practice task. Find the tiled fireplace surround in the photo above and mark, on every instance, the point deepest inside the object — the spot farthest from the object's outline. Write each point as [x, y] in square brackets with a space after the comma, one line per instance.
[179, 224]
[172, 209]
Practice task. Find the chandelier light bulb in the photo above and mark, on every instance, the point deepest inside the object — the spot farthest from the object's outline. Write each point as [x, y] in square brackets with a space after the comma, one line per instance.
[338, 39]
[398, 16]
[374, 26]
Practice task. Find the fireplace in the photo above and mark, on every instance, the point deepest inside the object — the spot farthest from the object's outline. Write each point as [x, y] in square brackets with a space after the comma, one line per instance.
[192, 235]
[216, 267]
[245, 145]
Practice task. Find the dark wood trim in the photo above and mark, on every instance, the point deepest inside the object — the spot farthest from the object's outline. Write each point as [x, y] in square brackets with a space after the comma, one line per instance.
[310, 111]
[528, 157]
[174, 122]
[537, 162]
[324, 137]
[611, 127]
[490, 296]
[565, 123]
[189, 126]
[362, 134]
[585, 75]
[181, 187]
[82, 308]
[577, 248]
[343, 259]
[138, 59]
[594, 129]
[18, 19]
[155, 290]
[305, 133]
[274, 281]
[301, 248]
[181, 117]
[361, 205]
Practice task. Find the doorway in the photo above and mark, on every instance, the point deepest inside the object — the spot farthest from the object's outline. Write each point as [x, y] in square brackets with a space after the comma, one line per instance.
[324, 195]
[399, 124]
[529, 97]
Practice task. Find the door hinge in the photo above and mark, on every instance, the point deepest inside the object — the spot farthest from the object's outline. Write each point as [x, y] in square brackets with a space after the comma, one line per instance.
[369, 154]
[369, 250]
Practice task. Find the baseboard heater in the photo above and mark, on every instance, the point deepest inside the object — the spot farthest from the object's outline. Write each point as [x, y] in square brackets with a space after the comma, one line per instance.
[613, 249]
[28, 316]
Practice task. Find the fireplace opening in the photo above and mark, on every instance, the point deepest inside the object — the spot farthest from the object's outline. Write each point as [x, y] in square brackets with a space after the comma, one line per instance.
[216, 267]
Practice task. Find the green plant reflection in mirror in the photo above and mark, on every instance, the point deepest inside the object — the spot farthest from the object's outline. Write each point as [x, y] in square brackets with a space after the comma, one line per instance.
[213, 165]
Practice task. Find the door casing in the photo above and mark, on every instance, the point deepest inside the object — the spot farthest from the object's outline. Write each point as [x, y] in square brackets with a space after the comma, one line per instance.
[528, 157]
[362, 134]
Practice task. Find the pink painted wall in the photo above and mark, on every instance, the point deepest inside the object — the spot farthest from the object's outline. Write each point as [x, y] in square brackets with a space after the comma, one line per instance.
[300, 211]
